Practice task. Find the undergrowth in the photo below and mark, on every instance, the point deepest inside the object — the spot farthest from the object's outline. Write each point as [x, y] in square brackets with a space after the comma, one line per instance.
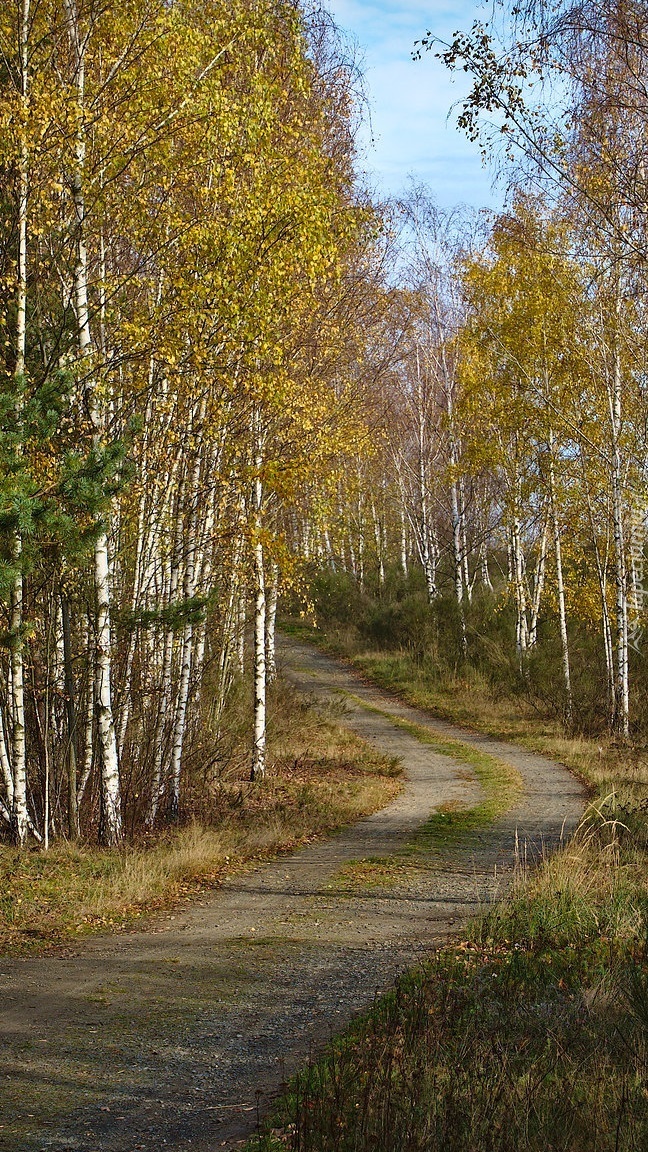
[531, 1033]
[320, 777]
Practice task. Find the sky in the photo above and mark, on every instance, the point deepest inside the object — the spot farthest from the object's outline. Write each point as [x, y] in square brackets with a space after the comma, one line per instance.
[410, 101]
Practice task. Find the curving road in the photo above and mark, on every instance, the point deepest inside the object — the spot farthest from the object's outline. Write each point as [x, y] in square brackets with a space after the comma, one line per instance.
[174, 1038]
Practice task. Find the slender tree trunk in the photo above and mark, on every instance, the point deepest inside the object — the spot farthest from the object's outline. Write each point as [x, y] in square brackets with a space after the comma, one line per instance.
[111, 819]
[5, 765]
[608, 641]
[241, 624]
[468, 583]
[111, 830]
[539, 581]
[457, 551]
[483, 567]
[19, 815]
[521, 627]
[88, 727]
[260, 671]
[189, 591]
[560, 587]
[378, 538]
[622, 695]
[403, 539]
[70, 711]
[271, 618]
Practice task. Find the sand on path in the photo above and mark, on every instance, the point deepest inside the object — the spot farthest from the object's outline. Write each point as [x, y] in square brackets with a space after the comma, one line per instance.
[176, 1037]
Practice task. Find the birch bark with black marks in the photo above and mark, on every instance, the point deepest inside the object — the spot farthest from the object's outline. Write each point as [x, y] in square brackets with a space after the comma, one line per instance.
[258, 769]
[171, 568]
[189, 592]
[111, 828]
[519, 588]
[19, 814]
[622, 694]
[560, 584]
[539, 579]
[71, 716]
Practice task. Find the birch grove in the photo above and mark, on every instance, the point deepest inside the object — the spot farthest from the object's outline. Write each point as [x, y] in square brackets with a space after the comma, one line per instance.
[227, 375]
[180, 242]
[510, 464]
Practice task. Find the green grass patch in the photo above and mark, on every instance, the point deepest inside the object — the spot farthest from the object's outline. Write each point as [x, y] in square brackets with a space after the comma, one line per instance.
[450, 827]
[532, 1034]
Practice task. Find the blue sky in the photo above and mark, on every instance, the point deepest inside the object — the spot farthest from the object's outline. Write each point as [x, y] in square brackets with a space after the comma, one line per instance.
[410, 101]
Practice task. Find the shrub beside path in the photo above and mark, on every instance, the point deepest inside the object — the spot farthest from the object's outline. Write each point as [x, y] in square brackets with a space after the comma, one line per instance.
[175, 1037]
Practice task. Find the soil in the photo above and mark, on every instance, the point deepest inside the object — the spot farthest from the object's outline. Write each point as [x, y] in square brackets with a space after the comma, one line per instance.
[179, 1037]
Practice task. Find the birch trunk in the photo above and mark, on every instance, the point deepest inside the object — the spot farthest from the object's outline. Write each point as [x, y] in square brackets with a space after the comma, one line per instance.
[403, 539]
[539, 582]
[601, 572]
[111, 830]
[457, 551]
[163, 708]
[560, 586]
[5, 766]
[483, 567]
[70, 711]
[260, 677]
[427, 545]
[622, 694]
[19, 815]
[259, 747]
[379, 543]
[189, 591]
[521, 625]
[271, 619]
[468, 583]
[88, 728]
[241, 622]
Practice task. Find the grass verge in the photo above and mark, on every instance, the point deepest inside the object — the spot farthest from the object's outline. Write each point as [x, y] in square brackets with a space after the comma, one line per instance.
[321, 777]
[532, 1033]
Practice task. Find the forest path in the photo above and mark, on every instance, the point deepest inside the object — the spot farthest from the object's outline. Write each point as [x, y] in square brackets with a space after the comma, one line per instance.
[172, 1038]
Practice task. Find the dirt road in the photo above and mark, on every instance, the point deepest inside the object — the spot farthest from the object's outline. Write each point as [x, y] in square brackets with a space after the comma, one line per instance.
[173, 1038]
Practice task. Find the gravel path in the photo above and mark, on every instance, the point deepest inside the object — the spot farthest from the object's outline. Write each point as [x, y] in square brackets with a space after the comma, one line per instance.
[174, 1038]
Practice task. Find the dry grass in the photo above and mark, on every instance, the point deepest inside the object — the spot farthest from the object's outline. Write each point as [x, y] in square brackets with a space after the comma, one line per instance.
[321, 777]
[532, 1033]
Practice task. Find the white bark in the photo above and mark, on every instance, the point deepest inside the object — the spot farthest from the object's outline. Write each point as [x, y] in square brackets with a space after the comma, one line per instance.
[271, 619]
[164, 696]
[189, 592]
[601, 571]
[379, 543]
[539, 582]
[560, 586]
[19, 816]
[111, 819]
[88, 728]
[483, 566]
[521, 623]
[260, 671]
[622, 701]
[457, 551]
[403, 538]
[5, 765]
[240, 627]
